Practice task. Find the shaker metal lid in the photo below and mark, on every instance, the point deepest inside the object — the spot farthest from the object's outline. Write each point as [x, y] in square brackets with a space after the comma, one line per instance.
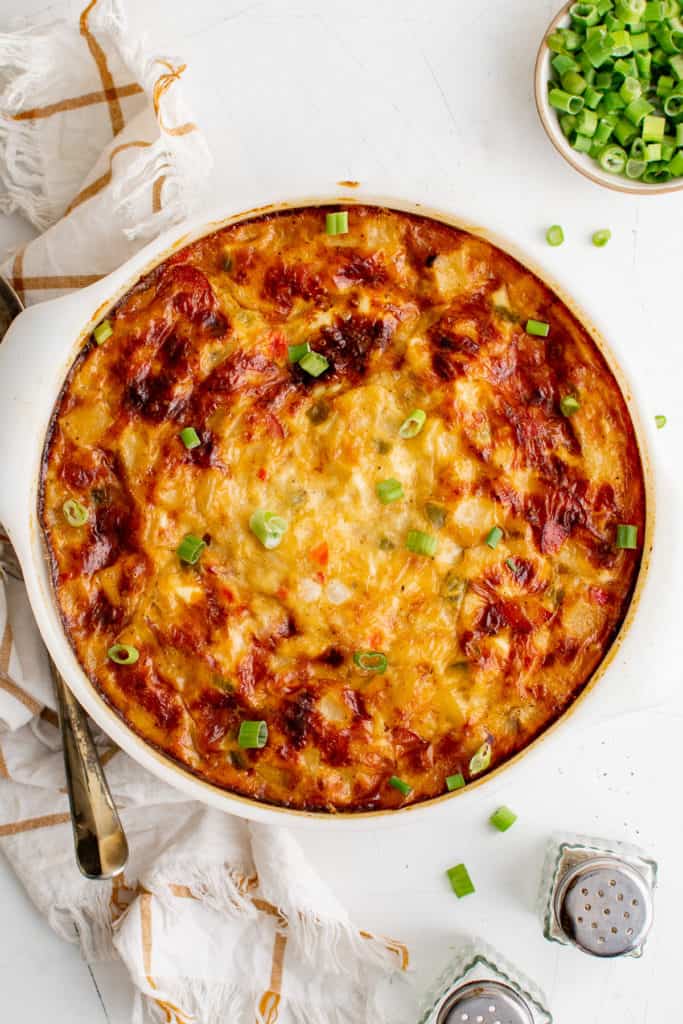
[604, 906]
[485, 1002]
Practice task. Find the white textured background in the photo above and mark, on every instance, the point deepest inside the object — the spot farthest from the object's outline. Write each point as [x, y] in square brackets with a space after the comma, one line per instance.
[434, 102]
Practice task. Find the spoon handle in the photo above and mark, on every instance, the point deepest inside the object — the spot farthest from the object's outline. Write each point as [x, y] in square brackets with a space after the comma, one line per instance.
[101, 846]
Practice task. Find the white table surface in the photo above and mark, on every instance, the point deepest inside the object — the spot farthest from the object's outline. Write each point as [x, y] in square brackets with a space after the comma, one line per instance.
[434, 101]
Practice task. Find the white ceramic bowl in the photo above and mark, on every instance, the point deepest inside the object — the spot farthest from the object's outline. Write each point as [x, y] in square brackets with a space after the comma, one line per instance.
[581, 162]
[35, 356]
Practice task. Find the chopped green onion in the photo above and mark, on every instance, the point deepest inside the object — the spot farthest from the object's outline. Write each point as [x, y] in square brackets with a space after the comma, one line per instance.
[388, 491]
[569, 404]
[630, 89]
[561, 100]
[637, 110]
[660, 421]
[461, 883]
[503, 819]
[314, 363]
[123, 654]
[337, 223]
[586, 123]
[511, 564]
[268, 527]
[538, 328]
[635, 168]
[673, 104]
[75, 513]
[297, 352]
[253, 735]
[584, 14]
[412, 426]
[454, 782]
[102, 332]
[554, 235]
[400, 785]
[190, 548]
[190, 437]
[601, 238]
[370, 661]
[421, 543]
[494, 536]
[653, 152]
[481, 760]
[627, 536]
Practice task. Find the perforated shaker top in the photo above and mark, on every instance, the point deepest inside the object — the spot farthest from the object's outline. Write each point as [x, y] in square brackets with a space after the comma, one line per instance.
[485, 1002]
[604, 906]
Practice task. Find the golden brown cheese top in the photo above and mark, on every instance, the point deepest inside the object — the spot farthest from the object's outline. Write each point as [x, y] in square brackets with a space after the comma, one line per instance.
[483, 645]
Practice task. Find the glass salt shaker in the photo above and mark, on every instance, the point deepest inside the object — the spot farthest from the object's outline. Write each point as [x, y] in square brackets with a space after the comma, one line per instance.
[479, 986]
[597, 895]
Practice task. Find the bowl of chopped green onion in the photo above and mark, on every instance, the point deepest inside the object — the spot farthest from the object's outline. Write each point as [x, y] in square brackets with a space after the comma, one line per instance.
[609, 92]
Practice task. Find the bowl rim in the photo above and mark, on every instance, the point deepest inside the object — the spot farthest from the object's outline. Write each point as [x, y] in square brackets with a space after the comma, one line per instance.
[91, 307]
[552, 128]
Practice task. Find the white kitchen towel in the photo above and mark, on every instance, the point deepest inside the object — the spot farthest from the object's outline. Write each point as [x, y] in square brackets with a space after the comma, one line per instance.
[217, 921]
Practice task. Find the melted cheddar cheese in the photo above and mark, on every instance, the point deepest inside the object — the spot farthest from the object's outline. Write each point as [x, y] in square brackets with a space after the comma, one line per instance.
[483, 644]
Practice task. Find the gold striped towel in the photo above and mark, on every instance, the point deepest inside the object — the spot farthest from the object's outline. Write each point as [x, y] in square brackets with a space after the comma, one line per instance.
[97, 148]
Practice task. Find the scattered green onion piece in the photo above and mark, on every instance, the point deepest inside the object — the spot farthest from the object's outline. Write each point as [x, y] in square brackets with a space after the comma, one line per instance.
[601, 238]
[665, 85]
[630, 11]
[297, 352]
[537, 328]
[603, 133]
[584, 15]
[412, 426]
[481, 760]
[627, 536]
[268, 527]
[493, 537]
[673, 104]
[676, 65]
[421, 543]
[461, 883]
[640, 41]
[123, 654]
[314, 363]
[660, 421]
[503, 819]
[370, 661]
[574, 83]
[102, 332]
[337, 223]
[454, 782]
[561, 100]
[190, 548]
[75, 513]
[638, 109]
[568, 125]
[253, 735]
[190, 438]
[653, 152]
[562, 62]
[388, 491]
[511, 564]
[400, 785]
[554, 235]
[653, 128]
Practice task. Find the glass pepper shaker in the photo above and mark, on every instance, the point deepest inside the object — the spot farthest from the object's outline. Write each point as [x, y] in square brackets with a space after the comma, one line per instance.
[479, 986]
[597, 895]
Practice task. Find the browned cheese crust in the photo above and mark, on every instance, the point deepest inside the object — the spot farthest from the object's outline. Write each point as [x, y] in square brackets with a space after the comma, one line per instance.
[482, 644]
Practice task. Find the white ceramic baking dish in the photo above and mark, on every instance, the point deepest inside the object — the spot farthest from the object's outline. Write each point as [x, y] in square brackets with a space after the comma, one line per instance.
[35, 357]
